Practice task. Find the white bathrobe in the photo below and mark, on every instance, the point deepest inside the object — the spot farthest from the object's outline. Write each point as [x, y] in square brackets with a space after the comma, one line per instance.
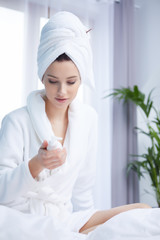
[66, 193]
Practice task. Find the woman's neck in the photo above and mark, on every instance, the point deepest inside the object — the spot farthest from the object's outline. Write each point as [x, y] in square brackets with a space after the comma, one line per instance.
[58, 119]
[56, 114]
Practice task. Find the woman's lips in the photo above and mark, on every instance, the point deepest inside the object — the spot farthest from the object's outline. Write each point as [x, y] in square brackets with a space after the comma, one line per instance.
[61, 100]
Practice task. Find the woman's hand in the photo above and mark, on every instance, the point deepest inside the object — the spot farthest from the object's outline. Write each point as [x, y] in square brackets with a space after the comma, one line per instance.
[51, 159]
[47, 159]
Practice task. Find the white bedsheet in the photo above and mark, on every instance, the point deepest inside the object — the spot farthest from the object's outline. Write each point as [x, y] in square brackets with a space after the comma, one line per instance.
[139, 224]
[16, 225]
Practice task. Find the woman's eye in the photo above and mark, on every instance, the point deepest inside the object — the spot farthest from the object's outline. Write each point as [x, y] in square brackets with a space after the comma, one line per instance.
[71, 83]
[52, 82]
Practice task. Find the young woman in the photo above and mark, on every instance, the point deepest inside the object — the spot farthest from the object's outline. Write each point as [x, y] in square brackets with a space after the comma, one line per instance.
[37, 177]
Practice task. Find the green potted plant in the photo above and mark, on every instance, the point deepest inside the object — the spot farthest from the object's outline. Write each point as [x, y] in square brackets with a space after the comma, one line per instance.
[149, 161]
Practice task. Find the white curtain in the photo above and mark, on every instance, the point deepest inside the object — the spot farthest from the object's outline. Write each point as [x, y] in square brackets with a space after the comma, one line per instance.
[33, 13]
[103, 72]
[20, 27]
[97, 15]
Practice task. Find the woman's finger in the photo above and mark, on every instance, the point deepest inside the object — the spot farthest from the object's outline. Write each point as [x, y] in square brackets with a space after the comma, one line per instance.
[44, 145]
[56, 154]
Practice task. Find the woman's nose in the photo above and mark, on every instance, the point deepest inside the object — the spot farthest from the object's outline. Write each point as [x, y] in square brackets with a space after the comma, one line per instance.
[62, 90]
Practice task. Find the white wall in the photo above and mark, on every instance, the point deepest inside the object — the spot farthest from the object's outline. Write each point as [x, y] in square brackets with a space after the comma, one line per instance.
[147, 36]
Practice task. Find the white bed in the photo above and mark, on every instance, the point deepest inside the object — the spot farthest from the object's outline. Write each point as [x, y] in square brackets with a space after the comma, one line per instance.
[139, 224]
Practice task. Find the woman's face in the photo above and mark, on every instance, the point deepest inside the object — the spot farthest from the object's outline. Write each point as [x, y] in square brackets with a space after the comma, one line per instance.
[61, 81]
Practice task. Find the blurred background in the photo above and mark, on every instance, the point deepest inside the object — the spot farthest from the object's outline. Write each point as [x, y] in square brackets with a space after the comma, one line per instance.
[125, 41]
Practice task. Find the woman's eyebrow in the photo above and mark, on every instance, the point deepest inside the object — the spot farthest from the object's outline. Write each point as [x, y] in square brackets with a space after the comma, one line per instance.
[72, 77]
[49, 75]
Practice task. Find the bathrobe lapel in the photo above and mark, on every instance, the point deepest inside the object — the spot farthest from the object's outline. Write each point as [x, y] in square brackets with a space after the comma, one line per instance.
[76, 124]
[39, 119]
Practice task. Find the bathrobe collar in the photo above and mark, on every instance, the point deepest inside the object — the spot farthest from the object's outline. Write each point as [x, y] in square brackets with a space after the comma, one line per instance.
[39, 119]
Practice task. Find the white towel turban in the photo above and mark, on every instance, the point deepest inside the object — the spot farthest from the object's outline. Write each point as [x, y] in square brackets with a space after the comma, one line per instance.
[65, 33]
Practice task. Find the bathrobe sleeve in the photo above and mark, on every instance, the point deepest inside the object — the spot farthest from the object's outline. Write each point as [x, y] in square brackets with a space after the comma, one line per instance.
[15, 177]
[82, 197]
